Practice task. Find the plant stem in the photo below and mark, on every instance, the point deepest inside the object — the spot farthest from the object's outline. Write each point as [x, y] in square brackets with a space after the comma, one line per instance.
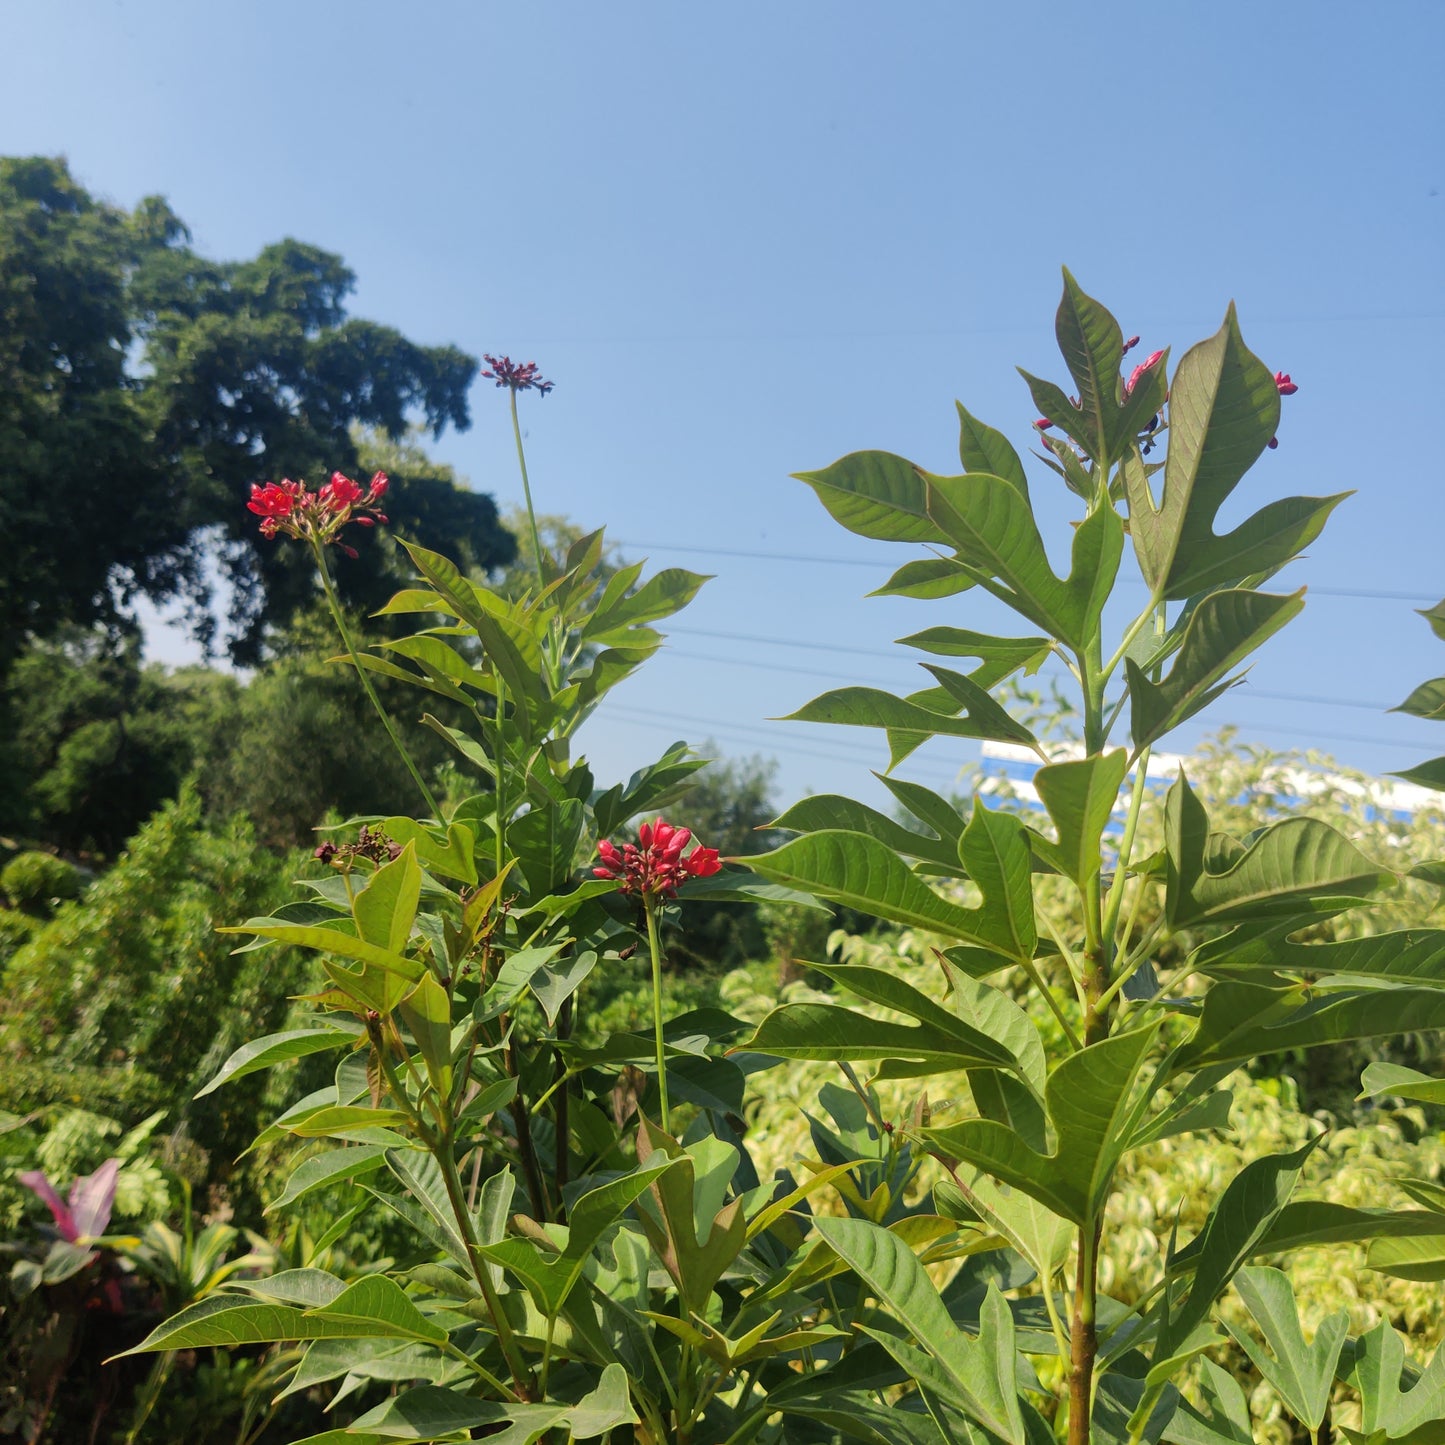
[1084, 1343]
[649, 906]
[448, 1166]
[1126, 845]
[560, 1113]
[525, 1147]
[527, 492]
[1037, 978]
[339, 618]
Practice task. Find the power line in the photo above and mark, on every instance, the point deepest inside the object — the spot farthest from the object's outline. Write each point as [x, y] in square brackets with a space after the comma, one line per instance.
[1352, 593]
[1018, 328]
[806, 644]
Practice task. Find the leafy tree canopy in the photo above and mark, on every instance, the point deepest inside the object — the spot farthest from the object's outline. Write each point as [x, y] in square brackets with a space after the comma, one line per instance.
[144, 387]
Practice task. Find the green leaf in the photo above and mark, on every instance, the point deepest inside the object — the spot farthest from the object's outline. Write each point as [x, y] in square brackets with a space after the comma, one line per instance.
[870, 707]
[943, 1035]
[1242, 1021]
[1090, 1100]
[431, 1412]
[545, 840]
[1418, 1257]
[1040, 1235]
[982, 449]
[876, 494]
[929, 578]
[1301, 1374]
[428, 1014]
[981, 1372]
[1380, 960]
[1186, 1115]
[695, 1235]
[377, 1301]
[1429, 774]
[276, 1049]
[551, 1275]
[220, 1322]
[1093, 349]
[327, 1168]
[1080, 798]
[1228, 1422]
[999, 657]
[1308, 1222]
[1414, 1415]
[824, 812]
[993, 531]
[660, 596]
[1222, 631]
[1290, 869]
[1238, 1222]
[1224, 408]
[332, 940]
[338, 1118]
[554, 983]
[514, 976]
[863, 873]
[1427, 701]
[1401, 1083]
[736, 884]
[453, 859]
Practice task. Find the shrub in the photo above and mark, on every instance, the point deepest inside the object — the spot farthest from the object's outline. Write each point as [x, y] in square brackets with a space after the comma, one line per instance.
[37, 880]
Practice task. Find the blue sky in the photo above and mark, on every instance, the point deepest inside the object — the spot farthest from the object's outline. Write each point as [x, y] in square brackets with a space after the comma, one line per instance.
[746, 239]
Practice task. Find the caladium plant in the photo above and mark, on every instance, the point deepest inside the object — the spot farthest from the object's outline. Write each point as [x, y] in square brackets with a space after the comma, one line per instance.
[598, 1255]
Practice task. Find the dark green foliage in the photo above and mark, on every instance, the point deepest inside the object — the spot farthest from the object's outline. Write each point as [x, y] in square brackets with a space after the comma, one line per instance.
[93, 742]
[247, 371]
[131, 998]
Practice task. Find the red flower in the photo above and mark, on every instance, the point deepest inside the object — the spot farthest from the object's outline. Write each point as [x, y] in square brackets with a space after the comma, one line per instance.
[1284, 385]
[339, 493]
[1043, 423]
[518, 375]
[655, 863]
[1130, 344]
[1150, 360]
[270, 501]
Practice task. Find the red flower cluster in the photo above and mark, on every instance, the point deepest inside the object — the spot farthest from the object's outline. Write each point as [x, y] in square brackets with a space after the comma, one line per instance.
[289, 507]
[654, 864]
[518, 375]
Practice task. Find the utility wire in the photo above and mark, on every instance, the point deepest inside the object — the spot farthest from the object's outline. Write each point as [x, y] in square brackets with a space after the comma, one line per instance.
[1016, 328]
[1352, 593]
[1247, 691]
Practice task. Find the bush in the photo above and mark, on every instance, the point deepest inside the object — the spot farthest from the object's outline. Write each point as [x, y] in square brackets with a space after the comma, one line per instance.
[36, 880]
[131, 995]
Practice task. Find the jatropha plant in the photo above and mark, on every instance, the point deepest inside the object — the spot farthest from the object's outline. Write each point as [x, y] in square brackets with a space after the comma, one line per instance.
[1144, 1049]
[597, 1254]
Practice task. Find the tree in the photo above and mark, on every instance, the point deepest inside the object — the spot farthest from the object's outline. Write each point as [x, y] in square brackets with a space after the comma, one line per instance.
[92, 742]
[144, 388]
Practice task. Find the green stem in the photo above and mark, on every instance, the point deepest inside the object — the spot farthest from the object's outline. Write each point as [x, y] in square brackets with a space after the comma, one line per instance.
[649, 906]
[518, 1367]
[1061, 1340]
[1126, 851]
[337, 616]
[527, 492]
[1131, 632]
[1048, 994]
[439, 1146]
[1083, 1337]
